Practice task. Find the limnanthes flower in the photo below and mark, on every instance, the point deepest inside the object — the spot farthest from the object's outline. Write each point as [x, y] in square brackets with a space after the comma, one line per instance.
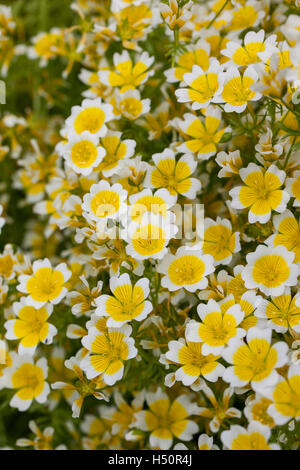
[255, 437]
[237, 90]
[261, 192]
[202, 87]
[166, 419]
[30, 327]
[107, 353]
[288, 233]
[126, 74]
[270, 270]
[285, 396]
[220, 241]
[29, 380]
[45, 284]
[282, 312]
[90, 116]
[204, 136]
[255, 361]
[127, 303]
[189, 268]
[219, 325]
[172, 174]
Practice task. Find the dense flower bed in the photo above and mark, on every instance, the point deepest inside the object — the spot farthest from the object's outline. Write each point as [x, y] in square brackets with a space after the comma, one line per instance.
[150, 238]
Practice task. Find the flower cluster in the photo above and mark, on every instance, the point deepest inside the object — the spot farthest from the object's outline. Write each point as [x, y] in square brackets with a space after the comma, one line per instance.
[149, 220]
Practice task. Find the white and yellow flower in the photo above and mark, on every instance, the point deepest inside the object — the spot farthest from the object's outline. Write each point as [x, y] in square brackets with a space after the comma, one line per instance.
[29, 381]
[219, 325]
[256, 361]
[237, 90]
[282, 312]
[202, 87]
[230, 163]
[193, 363]
[90, 116]
[261, 192]
[127, 75]
[288, 233]
[256, 49]
[105, 201]
[117, 151]
[187, 269]
[166, 419]
[45, 284]
[204, 134]
[82, 152]
[285, 397]
[256, 409]
[255, 437]
[131, 106]
[150, 238]
[30, 327]
[107, 353]
[158, 202]
[293, 187]
[270, 270]
[197, 54]
[220, 241]
[218, 409]
[127, 303]
[173, 175]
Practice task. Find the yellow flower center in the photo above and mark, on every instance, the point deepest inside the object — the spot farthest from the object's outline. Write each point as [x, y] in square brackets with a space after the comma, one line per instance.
[271, 271]
[84, 153]
[187, 269]
[45, 285]
[90, 119]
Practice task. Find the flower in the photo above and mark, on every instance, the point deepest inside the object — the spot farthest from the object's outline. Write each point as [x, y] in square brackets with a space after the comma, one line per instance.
[173, 15]
[82, 152]
[204, 135]
[230, 163]
[166, 419]
[256, 409]
[202, 86]
[90, 116]
[107, 353]
[29, 379]
[218, 410]
[288, 233]
[150, 238]
[219, 240]
[261, 192]
[285, 396]
[236, 89]
[145, 201]
[270, 270]
[256, 49]
[117, 152]
[127, 302]
[255, 437]
[126, 75]
[45, 284]
[104, 201]
[131, 106]
[194, 363]
[31, 326]
[188, 269]
[197, 54]
[219, 325]
[282, 312]
[173, 175]
[293, 188]
[255, 361]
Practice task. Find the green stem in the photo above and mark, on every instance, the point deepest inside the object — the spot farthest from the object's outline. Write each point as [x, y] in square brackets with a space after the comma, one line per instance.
[217, 14]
